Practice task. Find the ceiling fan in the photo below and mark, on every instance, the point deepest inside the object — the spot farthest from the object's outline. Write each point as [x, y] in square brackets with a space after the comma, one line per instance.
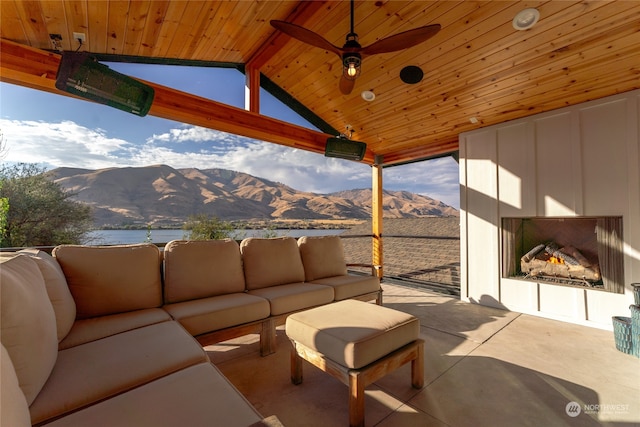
[352, 53]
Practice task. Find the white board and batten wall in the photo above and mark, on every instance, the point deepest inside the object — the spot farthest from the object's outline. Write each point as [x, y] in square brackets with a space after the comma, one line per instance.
[582, 160]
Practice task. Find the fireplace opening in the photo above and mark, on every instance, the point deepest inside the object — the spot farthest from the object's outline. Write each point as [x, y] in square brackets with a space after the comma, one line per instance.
[577, 251]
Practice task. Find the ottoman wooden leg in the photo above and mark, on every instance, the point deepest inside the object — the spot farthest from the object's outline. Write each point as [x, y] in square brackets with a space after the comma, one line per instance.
[417, 366]
[296, 365]
[356, 399]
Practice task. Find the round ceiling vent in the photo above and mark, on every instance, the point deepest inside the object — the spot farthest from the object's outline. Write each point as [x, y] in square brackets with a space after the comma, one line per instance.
[368, 95]
[526, 19]
[411, 74]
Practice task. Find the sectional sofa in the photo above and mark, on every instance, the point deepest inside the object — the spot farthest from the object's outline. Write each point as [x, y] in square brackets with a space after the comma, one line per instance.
[113, 335]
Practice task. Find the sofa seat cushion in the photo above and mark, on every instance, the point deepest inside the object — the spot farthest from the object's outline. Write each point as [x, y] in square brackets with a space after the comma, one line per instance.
[271, 262]
[349, 286]
[63, 304]
[211, 314]
[100, 369]
[201, 268]
[87, 330]
[294, 296]
[28, 323]
[111, 279]
[195, 396]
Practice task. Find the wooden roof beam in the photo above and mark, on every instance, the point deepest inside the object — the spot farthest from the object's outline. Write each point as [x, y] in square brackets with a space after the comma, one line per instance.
[425, 151]
[35, 68]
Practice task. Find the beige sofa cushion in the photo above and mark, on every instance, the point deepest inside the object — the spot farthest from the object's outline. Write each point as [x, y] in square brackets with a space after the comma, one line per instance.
[63, 304]
[87, 330]
[28, 323]
[346, 287]
[14, 411]
[322, 256]
[111, 279]
[271, 262]
[353, 333]
[196, 396]
[201, 268]
[294, 296]
[214, 313]
[89, 373]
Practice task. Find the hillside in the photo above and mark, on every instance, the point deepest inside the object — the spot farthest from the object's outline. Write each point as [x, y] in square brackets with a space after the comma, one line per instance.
[162, 195]
[400, 204]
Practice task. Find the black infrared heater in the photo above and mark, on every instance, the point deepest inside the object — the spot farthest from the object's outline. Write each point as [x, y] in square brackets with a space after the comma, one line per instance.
[344, 148]
[82, 75]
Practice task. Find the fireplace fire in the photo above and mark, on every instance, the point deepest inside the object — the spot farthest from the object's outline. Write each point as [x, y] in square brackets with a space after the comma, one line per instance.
[549, 260]
[576, 251]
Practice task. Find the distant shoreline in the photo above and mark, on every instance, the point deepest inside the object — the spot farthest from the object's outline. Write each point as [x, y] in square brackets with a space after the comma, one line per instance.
[294, 224]
[162, 236]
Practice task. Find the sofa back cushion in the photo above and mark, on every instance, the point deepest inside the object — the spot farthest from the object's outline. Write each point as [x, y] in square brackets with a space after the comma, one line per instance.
[271, 262]
[14, 411]
[111, 279]
[61, 299]
[322, 256]
[201, 268]
[27, 323]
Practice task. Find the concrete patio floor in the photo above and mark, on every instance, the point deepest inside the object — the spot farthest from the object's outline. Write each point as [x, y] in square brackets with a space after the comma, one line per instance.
[483, 367]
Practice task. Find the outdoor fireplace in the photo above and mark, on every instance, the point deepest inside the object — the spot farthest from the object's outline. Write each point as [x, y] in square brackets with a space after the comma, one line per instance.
[575, 251]
[572, 166]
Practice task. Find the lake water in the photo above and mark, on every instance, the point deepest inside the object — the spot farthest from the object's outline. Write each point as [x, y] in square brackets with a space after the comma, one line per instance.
[116, 237]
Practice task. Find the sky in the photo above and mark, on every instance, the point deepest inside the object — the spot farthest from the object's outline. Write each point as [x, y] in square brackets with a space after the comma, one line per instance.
[58, 131]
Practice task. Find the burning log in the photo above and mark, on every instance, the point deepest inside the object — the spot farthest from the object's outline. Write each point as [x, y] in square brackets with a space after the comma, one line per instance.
[577, 255]
[553, 261]
[532, 253]
[558, 253]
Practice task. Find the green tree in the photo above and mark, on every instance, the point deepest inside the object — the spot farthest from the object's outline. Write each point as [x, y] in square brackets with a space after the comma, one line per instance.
[4, 213]
[269, 232]
[37, 211]
[148, 239]
[204, 227]
[4, 202]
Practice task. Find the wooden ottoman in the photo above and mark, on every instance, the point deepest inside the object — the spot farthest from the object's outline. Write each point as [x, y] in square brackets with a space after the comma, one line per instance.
[358, 343]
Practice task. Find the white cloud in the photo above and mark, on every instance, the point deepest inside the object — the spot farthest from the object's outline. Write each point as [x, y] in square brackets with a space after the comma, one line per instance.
[191, 134]
[61, 143]
[69, 144]
[437, 178]
[299, 169]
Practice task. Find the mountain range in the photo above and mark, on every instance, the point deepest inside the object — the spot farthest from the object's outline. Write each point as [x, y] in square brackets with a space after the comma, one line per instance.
[161, 195]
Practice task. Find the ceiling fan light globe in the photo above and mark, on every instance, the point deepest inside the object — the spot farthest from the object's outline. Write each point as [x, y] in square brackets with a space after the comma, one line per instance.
[351, 65]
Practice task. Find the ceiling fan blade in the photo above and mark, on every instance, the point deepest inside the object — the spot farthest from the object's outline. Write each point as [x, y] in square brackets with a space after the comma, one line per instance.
[305, 36]
[402, 40]
[346, 86]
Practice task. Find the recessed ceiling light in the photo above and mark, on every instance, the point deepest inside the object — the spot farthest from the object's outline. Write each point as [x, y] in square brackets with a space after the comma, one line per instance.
[526, 19]
[368, 96]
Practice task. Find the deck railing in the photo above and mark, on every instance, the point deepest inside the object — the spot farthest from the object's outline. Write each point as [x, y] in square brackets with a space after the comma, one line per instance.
[431, 262]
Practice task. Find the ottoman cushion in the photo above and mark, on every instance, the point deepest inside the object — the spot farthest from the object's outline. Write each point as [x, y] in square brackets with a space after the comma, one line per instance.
[352, 333]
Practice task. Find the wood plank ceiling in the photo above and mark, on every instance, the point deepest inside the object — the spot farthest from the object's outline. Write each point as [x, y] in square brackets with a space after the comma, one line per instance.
[478, 66]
